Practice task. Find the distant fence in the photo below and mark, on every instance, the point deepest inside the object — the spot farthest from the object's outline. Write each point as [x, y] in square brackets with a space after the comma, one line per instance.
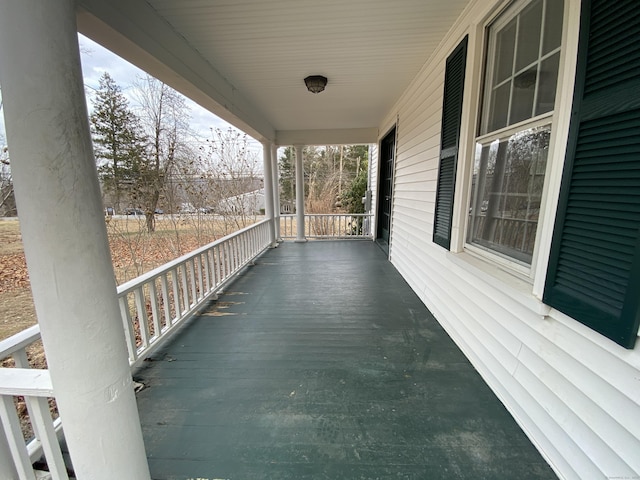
[328, 226]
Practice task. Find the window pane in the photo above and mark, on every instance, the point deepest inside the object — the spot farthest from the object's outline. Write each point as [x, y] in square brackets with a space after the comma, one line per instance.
[505, 43]
[506, 191]
[553, 25]
[524, 88]
[499, 107]
[547, 84]
[515, 62]
[529, 35]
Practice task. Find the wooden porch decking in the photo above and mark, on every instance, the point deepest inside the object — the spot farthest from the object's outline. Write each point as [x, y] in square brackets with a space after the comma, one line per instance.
[320, 362]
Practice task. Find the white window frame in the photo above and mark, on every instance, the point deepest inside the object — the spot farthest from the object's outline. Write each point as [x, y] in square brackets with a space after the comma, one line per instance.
[555, 156]
[516, 7]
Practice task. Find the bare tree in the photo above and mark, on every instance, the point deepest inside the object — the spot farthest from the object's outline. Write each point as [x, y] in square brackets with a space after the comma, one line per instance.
[165, 119]
[225, 180]
[7, 197]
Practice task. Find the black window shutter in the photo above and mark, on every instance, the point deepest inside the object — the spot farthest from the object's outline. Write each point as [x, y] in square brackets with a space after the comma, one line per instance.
[594, 264]
[450, 136]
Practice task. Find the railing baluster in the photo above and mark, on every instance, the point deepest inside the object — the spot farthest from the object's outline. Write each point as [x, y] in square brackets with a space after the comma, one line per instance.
[186, 302]
[253, 239]
[166, 300]
[224, 259]
[155, 315]
[245, 248]
[207, 271]
[236, 251]
[198, 264]
[192, 277]
[227, 260]
[218, 265]
[143, 319]
[21, 360]
[177, 307]
[42, 419]
[230, 256]
[129, 333]
[13, 432]
[239, 253]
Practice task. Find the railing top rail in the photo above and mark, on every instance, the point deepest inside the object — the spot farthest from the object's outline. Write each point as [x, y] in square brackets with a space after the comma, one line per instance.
[19, 341]
[156, 272]
[25, 381]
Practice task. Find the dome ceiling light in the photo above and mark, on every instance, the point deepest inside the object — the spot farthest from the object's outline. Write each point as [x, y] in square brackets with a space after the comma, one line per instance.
[315, 83]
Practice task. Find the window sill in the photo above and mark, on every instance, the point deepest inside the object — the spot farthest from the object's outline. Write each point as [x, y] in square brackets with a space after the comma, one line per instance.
[510, 282]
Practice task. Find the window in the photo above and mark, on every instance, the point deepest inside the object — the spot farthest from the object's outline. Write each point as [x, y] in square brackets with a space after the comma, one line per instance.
[521, 74]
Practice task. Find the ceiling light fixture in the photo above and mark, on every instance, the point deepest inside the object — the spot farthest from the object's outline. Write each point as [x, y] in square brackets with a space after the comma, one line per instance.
[315, 83]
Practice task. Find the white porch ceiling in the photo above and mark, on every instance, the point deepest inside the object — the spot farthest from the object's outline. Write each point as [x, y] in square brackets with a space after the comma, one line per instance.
[245, 60]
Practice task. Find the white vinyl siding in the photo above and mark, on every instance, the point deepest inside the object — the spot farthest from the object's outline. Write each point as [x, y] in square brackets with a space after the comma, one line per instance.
[575, 393]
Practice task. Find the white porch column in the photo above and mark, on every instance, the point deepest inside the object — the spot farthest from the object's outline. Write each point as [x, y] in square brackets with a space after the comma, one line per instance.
[268, 191]
[276, 193]
[65, 238]
[299, 195]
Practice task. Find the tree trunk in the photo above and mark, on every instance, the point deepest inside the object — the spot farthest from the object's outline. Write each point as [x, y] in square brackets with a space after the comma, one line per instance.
[150, 220]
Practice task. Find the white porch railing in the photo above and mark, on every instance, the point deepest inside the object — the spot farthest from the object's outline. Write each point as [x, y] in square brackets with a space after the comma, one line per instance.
[329, 225]
[151, 306]
[35, 387]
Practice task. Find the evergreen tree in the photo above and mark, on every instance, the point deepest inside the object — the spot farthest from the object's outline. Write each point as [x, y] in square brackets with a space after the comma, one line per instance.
[118, 141]
[286, 170]
[352, 197]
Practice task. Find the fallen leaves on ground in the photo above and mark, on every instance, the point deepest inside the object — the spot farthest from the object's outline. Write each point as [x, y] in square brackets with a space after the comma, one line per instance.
[13, 272]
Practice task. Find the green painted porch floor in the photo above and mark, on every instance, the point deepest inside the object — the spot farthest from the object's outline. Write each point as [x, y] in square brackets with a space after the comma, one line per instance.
[320, 362]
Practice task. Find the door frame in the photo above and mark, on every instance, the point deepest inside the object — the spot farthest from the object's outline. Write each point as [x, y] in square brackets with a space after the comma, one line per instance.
[393, 131]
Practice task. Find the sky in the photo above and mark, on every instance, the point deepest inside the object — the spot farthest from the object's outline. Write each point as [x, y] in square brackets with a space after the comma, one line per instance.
[96, 60]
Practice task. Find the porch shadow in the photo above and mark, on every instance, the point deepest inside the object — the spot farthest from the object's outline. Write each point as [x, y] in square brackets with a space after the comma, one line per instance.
[320, 362]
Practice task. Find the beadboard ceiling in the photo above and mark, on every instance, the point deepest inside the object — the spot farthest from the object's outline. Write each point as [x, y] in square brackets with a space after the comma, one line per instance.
[245, 60]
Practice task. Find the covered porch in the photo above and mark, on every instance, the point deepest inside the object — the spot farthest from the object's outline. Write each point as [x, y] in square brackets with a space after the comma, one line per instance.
[319, 361]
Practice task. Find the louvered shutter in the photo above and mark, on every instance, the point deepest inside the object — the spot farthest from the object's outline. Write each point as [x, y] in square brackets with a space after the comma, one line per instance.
[594, 265]
[450, 135]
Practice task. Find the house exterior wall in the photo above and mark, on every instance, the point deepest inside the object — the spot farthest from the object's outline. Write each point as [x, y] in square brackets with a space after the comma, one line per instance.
[574, 392]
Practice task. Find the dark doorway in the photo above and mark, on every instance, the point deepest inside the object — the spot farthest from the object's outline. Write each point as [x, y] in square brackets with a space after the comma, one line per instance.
[387, 154]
